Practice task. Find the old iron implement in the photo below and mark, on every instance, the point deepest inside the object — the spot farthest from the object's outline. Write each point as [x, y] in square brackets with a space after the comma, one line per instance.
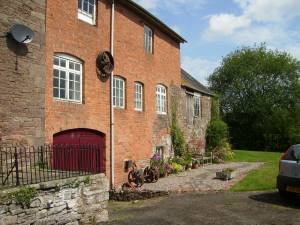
[151, 174]
[104, 65]
[136, 176]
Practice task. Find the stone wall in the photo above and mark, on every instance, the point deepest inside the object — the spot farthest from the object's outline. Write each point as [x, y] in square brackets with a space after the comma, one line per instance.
[66, 202]
[22, 69]
[195, 131]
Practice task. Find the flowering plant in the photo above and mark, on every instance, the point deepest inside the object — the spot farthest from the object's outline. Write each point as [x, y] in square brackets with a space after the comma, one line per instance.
[156, 157]
[155, 160]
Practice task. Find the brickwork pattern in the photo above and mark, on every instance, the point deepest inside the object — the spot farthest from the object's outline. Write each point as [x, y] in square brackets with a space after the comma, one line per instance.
[22, 75]
[136, 133]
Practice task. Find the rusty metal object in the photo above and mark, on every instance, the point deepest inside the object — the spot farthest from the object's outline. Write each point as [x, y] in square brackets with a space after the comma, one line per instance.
[105, 65]
[151, 174]
[136, 176]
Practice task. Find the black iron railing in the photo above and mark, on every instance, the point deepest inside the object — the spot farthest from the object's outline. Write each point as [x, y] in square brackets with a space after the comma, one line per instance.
[31, 165]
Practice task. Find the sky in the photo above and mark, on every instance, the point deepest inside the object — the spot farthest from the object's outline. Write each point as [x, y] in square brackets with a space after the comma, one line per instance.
[214, 28]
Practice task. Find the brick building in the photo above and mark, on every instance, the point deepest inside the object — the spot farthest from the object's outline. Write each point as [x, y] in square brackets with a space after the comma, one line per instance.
[22, 72]
[63, 100]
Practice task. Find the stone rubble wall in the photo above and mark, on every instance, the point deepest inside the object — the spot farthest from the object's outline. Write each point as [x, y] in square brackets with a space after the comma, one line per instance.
[65, 202]
[194, 132]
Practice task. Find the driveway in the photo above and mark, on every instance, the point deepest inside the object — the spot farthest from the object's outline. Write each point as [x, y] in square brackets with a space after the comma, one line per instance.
[202, 179]
[255, 208]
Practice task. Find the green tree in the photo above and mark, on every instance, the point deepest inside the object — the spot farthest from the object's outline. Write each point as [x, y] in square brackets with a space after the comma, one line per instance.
[259, 97]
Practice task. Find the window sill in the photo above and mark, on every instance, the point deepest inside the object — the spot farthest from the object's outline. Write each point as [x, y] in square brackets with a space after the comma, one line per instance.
[161, 114]
[68, 101]
[119, 108]
[84, 17]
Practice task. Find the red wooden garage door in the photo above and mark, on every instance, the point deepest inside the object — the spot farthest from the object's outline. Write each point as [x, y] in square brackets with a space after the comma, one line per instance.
[79, 150]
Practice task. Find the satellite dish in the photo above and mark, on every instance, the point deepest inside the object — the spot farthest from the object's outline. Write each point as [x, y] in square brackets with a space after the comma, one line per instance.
[21, 33]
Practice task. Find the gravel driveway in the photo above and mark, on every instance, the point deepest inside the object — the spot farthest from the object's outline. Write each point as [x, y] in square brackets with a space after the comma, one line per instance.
[202, 179]
[255, 208]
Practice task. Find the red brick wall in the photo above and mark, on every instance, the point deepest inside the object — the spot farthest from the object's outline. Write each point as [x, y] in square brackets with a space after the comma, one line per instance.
[67, 34]
[135, 132]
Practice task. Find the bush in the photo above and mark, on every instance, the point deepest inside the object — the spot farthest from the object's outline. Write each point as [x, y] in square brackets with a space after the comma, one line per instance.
[24, 196]
[217, 133]
[178, 142]
[177, 167]
[223, 152]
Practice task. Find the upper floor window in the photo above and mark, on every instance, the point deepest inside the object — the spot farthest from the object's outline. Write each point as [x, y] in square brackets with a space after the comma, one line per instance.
[138, 96]
[87, 11]
[118, 92]
[67, 78]
[161, 99]
[197, 105]
[148, 39]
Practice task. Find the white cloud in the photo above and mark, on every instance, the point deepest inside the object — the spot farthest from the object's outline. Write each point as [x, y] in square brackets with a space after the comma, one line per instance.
[270, 10]
[174, 6]
[199, 68]
[259, 21]
[225, 24]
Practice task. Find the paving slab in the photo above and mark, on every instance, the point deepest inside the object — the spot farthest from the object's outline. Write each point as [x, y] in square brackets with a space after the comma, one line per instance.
[202, 179]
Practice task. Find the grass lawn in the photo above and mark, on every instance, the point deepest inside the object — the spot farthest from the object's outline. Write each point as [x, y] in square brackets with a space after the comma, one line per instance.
[261, 179]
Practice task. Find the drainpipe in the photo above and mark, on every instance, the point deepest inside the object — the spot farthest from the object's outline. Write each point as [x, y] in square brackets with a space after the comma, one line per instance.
[112, 131]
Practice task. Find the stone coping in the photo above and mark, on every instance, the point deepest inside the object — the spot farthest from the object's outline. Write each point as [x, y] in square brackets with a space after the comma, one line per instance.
[52, 184]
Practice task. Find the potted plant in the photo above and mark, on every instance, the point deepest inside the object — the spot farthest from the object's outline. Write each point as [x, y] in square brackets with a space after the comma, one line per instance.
[226, 174]
[188, 162]
[195, 164]
[162, 170]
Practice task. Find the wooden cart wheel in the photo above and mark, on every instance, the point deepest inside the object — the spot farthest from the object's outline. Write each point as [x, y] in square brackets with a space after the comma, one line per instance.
[131, 177]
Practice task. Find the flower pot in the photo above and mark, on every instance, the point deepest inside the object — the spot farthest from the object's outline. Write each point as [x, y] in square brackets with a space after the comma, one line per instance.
[195, 166]
[225, 175]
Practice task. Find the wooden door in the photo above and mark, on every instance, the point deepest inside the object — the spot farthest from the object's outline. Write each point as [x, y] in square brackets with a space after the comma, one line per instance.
[79, 150]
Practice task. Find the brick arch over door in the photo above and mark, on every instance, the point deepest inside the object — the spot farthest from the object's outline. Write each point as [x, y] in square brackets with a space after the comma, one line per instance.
[79, 150]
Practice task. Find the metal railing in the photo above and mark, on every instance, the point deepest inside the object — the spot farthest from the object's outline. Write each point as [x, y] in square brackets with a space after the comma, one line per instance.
[31, 165]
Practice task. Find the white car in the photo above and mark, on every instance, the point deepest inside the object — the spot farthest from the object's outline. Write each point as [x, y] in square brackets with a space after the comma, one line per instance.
[288, 179]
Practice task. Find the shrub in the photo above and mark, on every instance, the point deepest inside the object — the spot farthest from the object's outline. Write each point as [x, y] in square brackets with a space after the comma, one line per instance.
[24, 196]
[223, 152]
[217, 132]
[178, 142]
[162, 170]
[177, 167]
[178, 160]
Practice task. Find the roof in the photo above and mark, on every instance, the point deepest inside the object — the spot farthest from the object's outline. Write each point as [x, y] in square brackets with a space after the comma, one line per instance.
[152, 19]
[190, 82]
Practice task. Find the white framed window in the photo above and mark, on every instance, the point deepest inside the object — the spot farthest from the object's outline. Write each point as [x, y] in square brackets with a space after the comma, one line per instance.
[197, 105]
[67, 78]
[87, 11]
[161, 99]
[138, 96]
[148, 39]
[119, 92]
